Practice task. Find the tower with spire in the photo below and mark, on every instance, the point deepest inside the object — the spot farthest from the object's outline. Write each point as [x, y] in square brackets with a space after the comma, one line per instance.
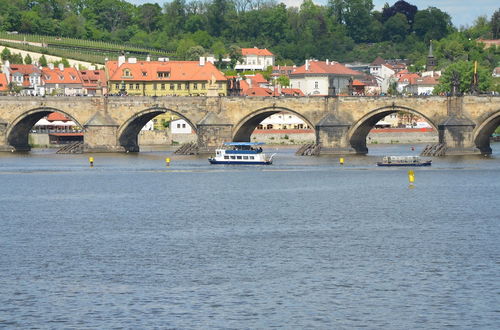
[431, 60]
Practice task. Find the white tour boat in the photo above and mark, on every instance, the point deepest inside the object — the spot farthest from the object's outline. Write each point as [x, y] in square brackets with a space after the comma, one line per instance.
[241, 153]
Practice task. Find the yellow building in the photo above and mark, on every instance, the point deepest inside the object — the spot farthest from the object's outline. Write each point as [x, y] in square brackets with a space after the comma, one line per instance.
[161, 78]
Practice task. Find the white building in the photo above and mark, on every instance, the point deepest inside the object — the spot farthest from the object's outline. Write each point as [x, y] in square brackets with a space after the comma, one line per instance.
[27, 76]
[180, 126]
[255, 59]
[283, 120]
[323, 78]
[423, 86]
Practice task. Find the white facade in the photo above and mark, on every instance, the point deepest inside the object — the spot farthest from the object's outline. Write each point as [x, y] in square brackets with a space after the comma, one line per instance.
[180, 126]
[254, 61]
[311, 84]
[283, 120]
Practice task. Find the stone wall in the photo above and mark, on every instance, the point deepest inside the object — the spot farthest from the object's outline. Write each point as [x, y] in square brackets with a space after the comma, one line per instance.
[155, 138]
[407, 136]
[285, 137]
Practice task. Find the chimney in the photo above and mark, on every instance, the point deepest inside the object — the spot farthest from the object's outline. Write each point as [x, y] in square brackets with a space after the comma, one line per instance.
[202, 61]
[148, 58]
[307, 65]
[51, 66]
[61, 66]
[132, 60]
[326, 61]
[121, 60]
[249, 82]
[6, 64]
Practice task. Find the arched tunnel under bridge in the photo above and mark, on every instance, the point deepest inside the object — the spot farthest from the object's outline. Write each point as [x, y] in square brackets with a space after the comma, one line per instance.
[129, 132]
[18, 132]
[247, 125]
[358, 133]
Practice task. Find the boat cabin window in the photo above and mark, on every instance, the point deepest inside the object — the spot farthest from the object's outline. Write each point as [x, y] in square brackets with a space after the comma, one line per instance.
[238, 157]
[232, 157]
[226, 157]
[245, 157]
[218, 153]
[251, 157]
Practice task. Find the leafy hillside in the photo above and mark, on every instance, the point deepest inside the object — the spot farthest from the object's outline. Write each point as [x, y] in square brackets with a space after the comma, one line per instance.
[343, 30]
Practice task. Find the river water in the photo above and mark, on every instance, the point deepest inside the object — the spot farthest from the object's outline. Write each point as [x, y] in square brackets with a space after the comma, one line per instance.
[304, 243]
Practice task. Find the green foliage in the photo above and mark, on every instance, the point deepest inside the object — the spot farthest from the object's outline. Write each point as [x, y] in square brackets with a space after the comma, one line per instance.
[283, 81]
[465, 69]
[42, 61]
[28, 59]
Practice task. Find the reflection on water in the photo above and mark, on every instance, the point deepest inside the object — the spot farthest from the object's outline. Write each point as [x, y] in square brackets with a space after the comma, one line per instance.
[304, 243]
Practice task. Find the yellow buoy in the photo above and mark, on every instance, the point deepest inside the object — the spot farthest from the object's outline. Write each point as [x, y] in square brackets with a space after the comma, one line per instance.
[167, 161]
[411, 176]
[91, 161]
[341, 161]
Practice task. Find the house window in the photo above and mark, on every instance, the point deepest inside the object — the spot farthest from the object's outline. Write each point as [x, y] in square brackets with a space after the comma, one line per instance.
[172, 87]
[163, 86]
[195, 85]
[131, 86]
[137, 86]
[155, 87]
[203, 86]
[163, 74]
[144, 74]
[183, 125]
[316, 84]
[117, 86]
[178, 125]
[179, 86]
[126, 73]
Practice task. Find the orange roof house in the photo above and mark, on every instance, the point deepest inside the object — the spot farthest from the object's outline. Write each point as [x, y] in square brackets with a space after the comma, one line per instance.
[255, 59]
[164, 78]
[321, 78]
[93, 81]
[62, 81]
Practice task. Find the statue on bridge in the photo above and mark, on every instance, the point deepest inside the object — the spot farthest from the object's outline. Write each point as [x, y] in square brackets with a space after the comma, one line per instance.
[455, 83]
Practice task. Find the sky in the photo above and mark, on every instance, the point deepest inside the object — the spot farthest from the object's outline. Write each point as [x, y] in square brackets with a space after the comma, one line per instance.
[462, 12]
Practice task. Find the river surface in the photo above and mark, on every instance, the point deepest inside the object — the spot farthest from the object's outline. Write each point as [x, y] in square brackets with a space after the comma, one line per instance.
[302, 244]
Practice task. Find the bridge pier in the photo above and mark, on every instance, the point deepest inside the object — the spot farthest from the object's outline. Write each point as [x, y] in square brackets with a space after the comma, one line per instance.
[456, 132]
[212, 136]
[331, 134]
[4, 146]
[101, 135]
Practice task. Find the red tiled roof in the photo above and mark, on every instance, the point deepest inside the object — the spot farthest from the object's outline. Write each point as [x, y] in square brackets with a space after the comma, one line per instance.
[4, 85]
[177, 71]
[258, 91]
[428, 80]
[292, 91]
[256, 51]
[25, 69]
[258, 78]
[378, 61]
[356, 82]
[320, 67]
[57, 116]
[409, 78]
[57, 76]
[92, 78]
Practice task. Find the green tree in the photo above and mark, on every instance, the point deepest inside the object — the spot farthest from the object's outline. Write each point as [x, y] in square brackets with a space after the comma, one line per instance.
[149, 16]
[396, 28]
[194, 53]
[42, 61]
[283, 81]
[73, 26]
[432, 24]
[5, 55]
[465, 69]
[495, 24]
[234, 55]
[28, 59]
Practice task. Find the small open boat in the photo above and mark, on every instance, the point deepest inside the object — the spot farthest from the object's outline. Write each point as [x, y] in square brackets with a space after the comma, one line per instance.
[404, 161]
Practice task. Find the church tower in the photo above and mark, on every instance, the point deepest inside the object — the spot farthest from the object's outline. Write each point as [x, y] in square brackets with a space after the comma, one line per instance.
[431, 60]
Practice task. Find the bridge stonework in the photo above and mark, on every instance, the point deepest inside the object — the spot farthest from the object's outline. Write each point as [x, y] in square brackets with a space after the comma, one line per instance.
[341, 123]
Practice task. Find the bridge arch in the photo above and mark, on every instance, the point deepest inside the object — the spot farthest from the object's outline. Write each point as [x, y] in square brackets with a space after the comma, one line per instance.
[18, 131]
[243, 130]
[483, 132]
[129, 131]
[359, 131]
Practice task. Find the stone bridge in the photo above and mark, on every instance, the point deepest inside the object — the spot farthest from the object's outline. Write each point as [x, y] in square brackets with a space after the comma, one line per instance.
[112, 124]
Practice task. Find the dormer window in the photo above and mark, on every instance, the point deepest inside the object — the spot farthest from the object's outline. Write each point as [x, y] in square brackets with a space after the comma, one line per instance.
[127, 73]
[144, 74]
[164, 74]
